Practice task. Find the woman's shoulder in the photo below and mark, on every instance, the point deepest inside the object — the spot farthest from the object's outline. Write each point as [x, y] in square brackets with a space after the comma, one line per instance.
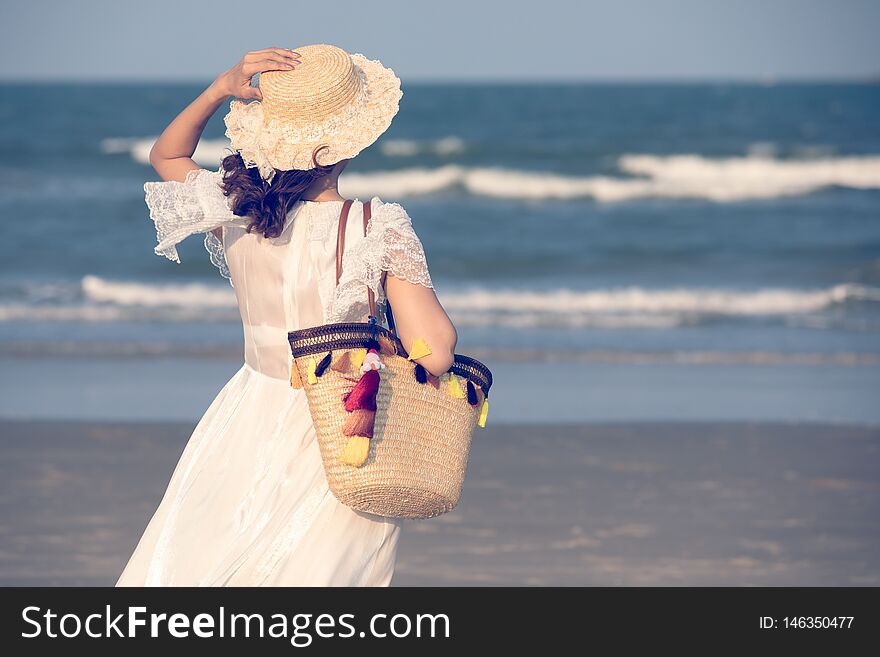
[388, 212]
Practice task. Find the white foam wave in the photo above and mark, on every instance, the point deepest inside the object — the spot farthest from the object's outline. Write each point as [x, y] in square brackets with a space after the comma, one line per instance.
[152, 295]
[208, 152]
[721, 180]
[736, 178]
[444, 147]
[678, 301]
[100, 300]
[404, 182]
[757, 175]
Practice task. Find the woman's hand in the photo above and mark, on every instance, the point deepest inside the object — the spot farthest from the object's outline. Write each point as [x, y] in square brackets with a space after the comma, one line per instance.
[237, 80]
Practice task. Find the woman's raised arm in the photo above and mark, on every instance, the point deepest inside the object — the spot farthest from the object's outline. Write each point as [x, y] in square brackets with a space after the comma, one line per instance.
[171, 155]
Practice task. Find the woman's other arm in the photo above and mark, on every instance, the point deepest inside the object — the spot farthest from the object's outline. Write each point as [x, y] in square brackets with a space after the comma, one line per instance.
[418, 314]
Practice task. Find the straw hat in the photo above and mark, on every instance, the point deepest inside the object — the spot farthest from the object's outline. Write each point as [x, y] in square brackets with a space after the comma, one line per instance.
[335, 98]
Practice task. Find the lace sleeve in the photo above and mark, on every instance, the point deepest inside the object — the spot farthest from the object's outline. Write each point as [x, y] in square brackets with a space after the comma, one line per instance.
[391, 245]
[181, 209]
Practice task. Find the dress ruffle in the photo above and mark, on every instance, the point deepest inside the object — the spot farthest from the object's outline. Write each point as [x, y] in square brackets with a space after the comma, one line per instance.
[198, 205]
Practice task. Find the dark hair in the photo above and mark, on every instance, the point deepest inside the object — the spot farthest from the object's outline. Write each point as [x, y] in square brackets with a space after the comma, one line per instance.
[267, 204]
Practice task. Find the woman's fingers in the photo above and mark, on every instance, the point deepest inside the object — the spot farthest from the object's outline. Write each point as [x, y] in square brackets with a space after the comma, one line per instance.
[263, 65]
[268, 59]
[282, 56]
[283, 52]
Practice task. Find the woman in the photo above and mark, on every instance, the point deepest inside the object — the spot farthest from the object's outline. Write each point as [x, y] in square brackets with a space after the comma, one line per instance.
[248, 503]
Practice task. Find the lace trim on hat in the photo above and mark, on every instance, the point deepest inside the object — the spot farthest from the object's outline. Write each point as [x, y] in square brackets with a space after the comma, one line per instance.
[198, 205]
[391, 245]
[270, 145]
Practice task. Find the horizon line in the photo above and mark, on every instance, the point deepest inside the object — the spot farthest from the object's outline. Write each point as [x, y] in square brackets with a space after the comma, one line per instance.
[766, 80]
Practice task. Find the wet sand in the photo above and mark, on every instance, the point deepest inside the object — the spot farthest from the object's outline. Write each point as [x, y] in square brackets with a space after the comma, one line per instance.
[650, 503]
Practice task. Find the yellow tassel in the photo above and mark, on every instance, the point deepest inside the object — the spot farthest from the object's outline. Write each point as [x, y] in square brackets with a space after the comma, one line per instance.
[311, 370]
[355, 451]
[357, 358]
[484, 411]
[455, 387]
[419, 348]
[295, 380]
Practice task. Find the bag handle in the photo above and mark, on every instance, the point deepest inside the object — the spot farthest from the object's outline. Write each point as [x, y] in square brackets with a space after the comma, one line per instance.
[340, 248]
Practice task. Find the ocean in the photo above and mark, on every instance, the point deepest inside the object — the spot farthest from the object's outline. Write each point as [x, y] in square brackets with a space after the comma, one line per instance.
[719, 232]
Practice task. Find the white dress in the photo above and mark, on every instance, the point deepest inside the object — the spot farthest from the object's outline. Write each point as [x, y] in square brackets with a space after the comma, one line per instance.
[248, 502]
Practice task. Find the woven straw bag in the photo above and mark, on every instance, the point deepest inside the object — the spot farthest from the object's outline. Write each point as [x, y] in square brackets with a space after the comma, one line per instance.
[421, 428]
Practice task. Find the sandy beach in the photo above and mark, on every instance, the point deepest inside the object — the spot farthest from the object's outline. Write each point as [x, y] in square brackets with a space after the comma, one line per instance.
[653, 503]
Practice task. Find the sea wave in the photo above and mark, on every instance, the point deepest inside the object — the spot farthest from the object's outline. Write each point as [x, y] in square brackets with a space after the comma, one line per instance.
[208, 152]
[128, 293]
[445, 147]
[754, 176]
[721, 180]
[765, 301]
[96, 299]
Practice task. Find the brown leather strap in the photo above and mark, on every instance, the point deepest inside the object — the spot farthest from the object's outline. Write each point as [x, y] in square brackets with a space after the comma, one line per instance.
[368, 208]
[340, 248]
[340, 237]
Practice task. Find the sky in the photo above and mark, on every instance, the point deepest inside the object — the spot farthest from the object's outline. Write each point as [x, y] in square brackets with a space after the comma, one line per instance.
[475, 40]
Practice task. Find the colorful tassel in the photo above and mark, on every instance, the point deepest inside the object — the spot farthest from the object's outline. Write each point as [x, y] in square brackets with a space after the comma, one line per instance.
[472, 393]
[343, 363]
[357, 358]
[433, 380]
[295, 380]
[455, 386]
[311, 371]
[484, 411]
[360, 423]
[386, 346]
[363, 395]
[419, 348]
[324, 364]
[372, 361]
[356, 451]
[360, 402]
[421, 374]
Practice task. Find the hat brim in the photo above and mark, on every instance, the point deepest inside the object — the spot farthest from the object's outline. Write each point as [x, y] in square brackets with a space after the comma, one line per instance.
[269, 144]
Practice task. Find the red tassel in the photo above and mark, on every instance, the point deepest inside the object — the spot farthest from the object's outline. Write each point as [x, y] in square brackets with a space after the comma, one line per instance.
[363, 395]
[433, 380]
[360, 423]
